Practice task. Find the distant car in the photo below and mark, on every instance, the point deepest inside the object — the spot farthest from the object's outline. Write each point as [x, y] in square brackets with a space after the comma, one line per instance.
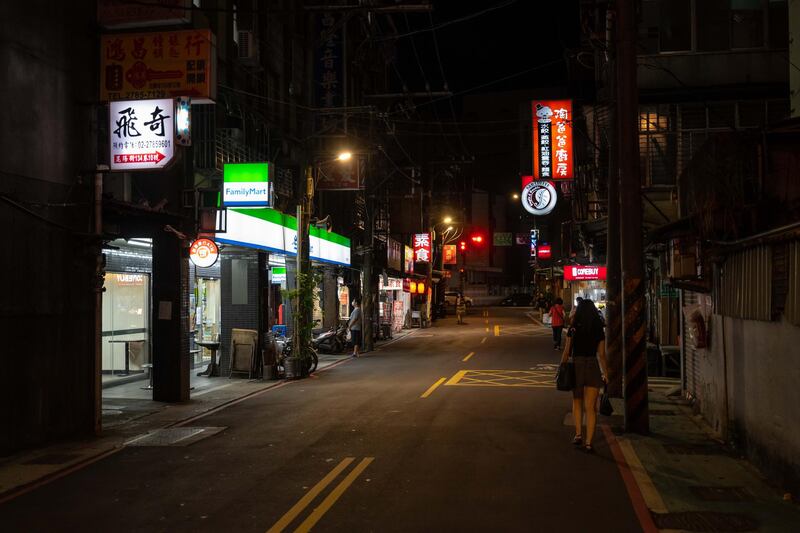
[451, 297]
[518, 300]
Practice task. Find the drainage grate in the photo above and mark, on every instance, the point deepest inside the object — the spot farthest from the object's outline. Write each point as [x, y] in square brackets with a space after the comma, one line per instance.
[662, 412]
[705, 521]
[180, 436]
[52, 459]
[722, 494]
[689, 449]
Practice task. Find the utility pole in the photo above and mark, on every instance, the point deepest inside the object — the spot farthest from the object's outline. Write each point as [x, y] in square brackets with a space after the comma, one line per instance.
[302, 314]
[614, 275]
[630, 219]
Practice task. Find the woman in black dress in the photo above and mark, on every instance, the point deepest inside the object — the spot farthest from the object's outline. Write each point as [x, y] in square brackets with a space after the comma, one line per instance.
[586, 344]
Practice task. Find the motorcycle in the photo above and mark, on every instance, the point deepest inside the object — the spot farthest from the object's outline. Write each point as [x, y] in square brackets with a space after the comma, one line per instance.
[284, 350]
[331, 341]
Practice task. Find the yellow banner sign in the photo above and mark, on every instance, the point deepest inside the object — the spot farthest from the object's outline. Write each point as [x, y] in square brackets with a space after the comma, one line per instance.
[166, 64]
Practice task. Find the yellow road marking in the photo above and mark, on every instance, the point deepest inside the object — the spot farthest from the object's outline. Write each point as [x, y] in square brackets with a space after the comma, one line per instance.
[292, 513]
[433, 388]
[649, 492]
[496, 330]
[456, 377]
[470, 354]
[335, 494]
[483, 339]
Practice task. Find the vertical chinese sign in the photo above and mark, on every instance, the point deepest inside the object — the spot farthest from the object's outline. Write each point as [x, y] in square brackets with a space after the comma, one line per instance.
[408, 260]
[163, 64]
[449, 252]
[422, 247]
[329, 66]
[552, 139]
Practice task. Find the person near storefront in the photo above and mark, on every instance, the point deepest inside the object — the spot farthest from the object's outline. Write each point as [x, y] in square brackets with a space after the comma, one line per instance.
[354, 325]
[557, 322]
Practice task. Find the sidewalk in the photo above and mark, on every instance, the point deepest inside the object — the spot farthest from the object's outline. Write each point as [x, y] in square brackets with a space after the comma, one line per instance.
[688, 480]
[128, 412]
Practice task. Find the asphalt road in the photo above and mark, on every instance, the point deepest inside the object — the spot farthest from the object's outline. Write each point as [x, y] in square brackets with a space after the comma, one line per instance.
[358, 448]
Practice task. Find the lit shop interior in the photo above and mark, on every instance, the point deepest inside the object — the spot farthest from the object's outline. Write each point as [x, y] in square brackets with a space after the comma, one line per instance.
[588, 283]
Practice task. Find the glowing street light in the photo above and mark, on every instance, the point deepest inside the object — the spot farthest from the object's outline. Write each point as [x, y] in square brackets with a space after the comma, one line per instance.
[447, 220]
[515, 196]
[344, 156]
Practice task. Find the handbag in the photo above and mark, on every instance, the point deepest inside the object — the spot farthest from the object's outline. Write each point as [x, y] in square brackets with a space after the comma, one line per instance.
[565, 378]
[606, 409]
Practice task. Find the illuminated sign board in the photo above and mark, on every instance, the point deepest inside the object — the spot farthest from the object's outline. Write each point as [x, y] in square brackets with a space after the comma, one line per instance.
[534, 242]
[246, 185]
[544, 252]
[552, 139]
[408, 259]
[539, 197]
[584, 272]
[422, 247]
[449, 251]
[271, 230]
[203, 253]
[278, 274]
[141, 134]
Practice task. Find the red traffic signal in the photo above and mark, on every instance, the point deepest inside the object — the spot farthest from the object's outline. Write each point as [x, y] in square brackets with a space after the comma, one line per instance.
[462, 246]
[477, 239]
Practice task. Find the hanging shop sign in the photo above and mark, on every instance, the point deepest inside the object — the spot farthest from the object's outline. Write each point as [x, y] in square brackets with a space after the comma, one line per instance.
[271, 230]
[390, 284]
[534, 243]
[552, 139]
[141, 134]
[406, 285]
[164, 64]
[247, 185]
[183, 121]
[521, 239]
[449, 254]
[539, 197]
[544, 251]
[422, 247]
[408, 259]
[393, 258]
[584, 272]
[329, 64]
[502, 239]
[203, 253]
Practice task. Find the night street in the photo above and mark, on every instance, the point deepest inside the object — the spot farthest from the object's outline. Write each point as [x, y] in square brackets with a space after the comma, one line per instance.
[486, 452]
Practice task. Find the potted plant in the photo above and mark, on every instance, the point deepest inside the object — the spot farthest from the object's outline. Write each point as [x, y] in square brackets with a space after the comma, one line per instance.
[298, 363]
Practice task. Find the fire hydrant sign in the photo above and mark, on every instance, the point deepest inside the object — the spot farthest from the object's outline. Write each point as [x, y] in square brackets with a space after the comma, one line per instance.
[142, 134]
[422, 247]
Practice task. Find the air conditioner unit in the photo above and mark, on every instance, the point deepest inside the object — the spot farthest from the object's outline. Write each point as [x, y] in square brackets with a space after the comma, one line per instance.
[248, 47]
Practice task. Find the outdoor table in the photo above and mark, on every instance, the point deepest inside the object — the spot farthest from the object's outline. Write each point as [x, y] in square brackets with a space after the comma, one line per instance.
[127, 353]
[213, 369]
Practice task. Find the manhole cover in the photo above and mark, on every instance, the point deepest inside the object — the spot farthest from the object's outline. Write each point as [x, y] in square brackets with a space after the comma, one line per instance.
[705, 521]
[180, 436]
[689, 449]
[52, 459]
[722, 494]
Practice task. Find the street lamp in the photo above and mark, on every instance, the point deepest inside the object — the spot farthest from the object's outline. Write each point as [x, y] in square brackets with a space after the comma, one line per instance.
[344, 156]
[515, 196]
[447, 220]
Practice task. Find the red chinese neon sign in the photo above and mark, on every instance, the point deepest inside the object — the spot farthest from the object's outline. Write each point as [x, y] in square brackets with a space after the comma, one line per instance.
[422, 247]
[552, 139]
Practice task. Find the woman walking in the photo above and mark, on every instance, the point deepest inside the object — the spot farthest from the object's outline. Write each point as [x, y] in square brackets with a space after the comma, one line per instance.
[586, 344]
[557, 322]
[461, 309]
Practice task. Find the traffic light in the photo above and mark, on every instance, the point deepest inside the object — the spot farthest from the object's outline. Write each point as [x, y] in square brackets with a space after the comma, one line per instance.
[462, 246]
[477, 239]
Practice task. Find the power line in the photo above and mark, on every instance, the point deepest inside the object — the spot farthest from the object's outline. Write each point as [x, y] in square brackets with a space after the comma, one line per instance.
[451, 22]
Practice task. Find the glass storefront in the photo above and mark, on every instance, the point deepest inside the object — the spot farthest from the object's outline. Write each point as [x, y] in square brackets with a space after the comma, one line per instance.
[207, 309]
[126, 324]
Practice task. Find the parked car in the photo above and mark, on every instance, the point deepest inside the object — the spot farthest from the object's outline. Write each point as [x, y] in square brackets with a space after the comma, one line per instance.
[518, 300]
[451, 297]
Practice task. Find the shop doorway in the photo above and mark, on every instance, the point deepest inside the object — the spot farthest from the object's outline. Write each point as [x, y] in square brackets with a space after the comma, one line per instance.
[207, 323]
[126, 327]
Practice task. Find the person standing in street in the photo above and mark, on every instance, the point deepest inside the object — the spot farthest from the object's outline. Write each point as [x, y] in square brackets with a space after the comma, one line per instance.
[461, 309]
[354, 325]
[572, 311]
[586, 345]
[557, 322]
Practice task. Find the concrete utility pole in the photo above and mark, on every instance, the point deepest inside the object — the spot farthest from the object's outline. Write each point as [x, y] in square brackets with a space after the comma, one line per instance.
[633, 282]
[614, 275]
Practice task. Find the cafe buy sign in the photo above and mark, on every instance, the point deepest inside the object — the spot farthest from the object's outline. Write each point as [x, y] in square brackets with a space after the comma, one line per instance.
[584, 273]
[552, 139]
[422, 247]
[141, 134]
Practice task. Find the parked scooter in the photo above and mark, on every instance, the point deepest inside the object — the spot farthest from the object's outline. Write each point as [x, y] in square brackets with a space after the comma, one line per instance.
[284, 349]
[331, 341]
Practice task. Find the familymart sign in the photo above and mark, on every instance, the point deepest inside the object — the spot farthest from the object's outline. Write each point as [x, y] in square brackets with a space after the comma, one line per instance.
[247, 185]
[271, 230]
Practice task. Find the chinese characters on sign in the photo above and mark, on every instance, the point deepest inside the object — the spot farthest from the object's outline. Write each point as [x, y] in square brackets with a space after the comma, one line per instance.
[449, 251]
[422, 247]
[552, 139]
[329, 66]
[141, 134]
[158, 65]
[408, 259]
[584, 273]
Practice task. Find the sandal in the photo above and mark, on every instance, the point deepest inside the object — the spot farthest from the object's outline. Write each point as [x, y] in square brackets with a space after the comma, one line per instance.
[589, 448]
[577, 440]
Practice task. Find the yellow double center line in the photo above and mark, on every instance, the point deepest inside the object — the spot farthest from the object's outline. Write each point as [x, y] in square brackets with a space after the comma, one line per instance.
[315, 491]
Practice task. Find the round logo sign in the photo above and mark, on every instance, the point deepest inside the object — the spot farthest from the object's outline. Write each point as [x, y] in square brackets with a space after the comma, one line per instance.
[203, 253]
[539, 197]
